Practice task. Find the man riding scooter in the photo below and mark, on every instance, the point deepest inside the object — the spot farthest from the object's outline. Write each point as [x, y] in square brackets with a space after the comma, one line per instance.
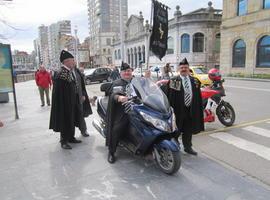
[117, 119]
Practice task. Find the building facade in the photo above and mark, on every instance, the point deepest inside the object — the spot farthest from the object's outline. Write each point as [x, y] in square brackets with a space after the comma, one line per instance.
[245, 37]
[104, 24]
[43, 44]
[56, 33]
[195, 35]
[22, 61]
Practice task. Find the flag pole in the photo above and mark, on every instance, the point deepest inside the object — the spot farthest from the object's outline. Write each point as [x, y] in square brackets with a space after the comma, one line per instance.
[148, 36]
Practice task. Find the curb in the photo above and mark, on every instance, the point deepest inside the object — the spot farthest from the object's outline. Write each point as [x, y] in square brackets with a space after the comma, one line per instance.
[247, 79]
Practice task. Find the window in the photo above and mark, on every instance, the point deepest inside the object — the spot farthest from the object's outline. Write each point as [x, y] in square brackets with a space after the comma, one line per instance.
[198, 42]
[263, 52]
[108, 41]
[217, 43]
[185, 43]
[266, 4]
[119, 54]
[115, 55]
[239, 54]
[170, 49]
[242, 7]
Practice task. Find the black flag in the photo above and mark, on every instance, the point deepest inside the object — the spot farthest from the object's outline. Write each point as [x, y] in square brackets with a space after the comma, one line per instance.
[159, 36]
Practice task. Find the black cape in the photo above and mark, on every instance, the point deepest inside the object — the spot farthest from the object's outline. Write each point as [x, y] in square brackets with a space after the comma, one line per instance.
[115, 114]
[175, 93]
[63, 111]
[87, 110]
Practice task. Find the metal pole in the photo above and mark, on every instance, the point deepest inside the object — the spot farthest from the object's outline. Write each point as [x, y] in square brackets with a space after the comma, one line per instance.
[148, 36]
[76, 46]
[14, 90]
[122, 32]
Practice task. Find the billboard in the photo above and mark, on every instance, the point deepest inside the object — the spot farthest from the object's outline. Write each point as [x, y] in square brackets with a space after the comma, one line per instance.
[6, 83]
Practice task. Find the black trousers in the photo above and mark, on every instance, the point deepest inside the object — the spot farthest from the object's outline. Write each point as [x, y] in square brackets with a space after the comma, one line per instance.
[118, 130]
[82, 123]
[186, 129]
[67, 135]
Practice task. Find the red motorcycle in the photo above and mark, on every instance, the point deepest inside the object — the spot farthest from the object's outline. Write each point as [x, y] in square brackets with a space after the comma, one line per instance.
[213, 103]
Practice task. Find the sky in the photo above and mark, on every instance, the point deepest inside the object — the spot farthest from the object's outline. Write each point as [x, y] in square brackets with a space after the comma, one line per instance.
[19, 19]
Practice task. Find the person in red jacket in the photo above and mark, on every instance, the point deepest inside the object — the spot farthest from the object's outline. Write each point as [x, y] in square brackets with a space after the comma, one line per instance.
[44, 82]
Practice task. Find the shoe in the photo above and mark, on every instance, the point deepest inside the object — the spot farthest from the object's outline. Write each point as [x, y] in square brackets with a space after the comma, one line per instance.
[85, 134]
[49, 104]
[75, 141]
[66, 146]
[191, 151]
[111, 158]
[42, 105]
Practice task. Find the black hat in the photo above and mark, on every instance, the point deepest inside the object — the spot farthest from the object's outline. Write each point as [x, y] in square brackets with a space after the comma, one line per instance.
[125, 66]
[184, 62]
[65, 55]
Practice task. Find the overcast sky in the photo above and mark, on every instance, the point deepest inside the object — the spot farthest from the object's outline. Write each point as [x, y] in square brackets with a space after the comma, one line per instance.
[26, 15]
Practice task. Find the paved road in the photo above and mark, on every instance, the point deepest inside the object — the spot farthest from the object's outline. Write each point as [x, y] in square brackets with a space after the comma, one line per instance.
[33, 166]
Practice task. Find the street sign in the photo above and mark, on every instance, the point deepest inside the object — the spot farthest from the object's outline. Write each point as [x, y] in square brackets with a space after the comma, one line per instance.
[6, 83]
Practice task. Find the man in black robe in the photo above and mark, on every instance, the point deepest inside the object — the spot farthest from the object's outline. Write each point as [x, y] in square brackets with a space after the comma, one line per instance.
[117, 119]
[83, 104]
[64, 114]
[184, 95]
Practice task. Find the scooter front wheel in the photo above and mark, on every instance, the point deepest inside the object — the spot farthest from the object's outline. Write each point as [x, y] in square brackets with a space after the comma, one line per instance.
[168, 161]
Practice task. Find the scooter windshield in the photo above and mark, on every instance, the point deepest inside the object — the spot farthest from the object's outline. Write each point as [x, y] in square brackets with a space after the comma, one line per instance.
[151, 95]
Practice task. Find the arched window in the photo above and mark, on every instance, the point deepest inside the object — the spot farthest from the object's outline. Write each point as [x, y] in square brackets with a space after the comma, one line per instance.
[266, 4]
[185, 43]
[128, 55]
[115, 54]
[119, 54]
[131, 57]
[242, 7]
[217, 43]
[263, 52]
[198, 42]
[143, 53]
[170, 49]
[239, 54]
[140, 54]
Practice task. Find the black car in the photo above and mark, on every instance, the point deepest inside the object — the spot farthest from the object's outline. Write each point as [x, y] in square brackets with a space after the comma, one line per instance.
[97, 75]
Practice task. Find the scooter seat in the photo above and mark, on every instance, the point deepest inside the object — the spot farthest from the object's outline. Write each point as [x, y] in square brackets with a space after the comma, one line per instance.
[104, 101]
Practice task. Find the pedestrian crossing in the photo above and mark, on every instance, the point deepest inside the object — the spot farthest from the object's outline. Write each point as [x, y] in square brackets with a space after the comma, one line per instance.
[261, 150]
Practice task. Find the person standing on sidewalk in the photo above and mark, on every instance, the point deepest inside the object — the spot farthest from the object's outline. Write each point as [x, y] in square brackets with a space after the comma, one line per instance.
[1, 124]
[83, 105]
[184, 95]
[44, 82]
[64, 113]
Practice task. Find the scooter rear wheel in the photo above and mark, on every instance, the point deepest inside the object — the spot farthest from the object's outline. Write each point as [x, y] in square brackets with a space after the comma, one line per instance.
[168, 161]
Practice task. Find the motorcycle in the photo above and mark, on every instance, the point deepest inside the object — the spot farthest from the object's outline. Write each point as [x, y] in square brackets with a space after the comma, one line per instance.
[152, 124]
[213, 104]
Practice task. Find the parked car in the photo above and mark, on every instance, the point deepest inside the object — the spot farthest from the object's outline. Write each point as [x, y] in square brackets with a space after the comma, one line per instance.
[201, 73]
[97, 75]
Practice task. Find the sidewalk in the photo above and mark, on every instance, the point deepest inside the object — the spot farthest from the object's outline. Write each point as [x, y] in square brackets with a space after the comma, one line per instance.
[34, 167]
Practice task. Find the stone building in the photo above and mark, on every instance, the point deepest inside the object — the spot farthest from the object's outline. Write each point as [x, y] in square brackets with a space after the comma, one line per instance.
[245, 37]
[195, 35]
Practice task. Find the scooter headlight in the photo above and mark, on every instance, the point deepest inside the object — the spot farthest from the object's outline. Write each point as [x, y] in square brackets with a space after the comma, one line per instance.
[157, 123]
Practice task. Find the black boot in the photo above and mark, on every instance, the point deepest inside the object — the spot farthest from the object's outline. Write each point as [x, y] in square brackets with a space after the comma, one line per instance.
[65, 145]
[85, 134]
[191, 151]
[111, 158]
